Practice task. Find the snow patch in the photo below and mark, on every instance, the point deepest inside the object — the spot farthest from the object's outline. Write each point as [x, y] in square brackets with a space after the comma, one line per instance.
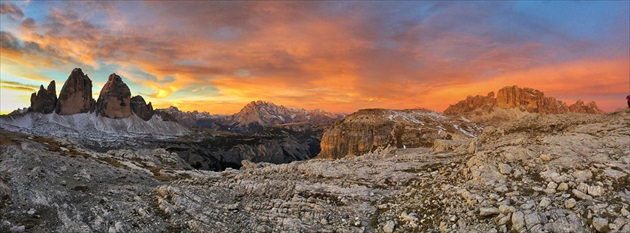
[92, 126]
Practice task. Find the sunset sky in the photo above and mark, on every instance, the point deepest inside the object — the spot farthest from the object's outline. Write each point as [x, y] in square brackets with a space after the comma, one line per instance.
[337, 56]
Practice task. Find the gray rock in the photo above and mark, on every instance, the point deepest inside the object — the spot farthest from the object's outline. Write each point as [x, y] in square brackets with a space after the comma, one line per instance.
[389, 227]
[600, 224]
[505, 168]
[579, 194]
[582, 176]
[17, 229]
[532, 219]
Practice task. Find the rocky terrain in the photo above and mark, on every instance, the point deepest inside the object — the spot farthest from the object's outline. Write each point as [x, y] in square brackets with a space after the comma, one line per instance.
[536, 173]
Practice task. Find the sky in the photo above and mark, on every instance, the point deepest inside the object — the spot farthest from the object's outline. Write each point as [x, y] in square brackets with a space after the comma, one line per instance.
[339, 56]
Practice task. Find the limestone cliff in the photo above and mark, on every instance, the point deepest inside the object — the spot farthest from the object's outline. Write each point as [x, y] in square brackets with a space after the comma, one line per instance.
[114, 100]
[141, 108]
[514, 97]
[369, 129]
[76, 94]
[44, 100]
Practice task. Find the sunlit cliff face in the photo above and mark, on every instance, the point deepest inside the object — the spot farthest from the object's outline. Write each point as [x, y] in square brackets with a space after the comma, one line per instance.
[338, 56]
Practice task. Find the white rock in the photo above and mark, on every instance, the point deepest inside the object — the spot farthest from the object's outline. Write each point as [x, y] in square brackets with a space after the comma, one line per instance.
[581, 195]
[582, 187]
[503, 219]
[545, 157]
[408, 217]
[506, 209]
[563, 187]
[389, 227]
[487, 211]
[570, 203]
[544, 202]
[595, 190]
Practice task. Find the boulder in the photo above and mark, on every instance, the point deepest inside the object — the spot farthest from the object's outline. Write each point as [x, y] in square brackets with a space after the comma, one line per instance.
[76, 94]
[114, 99]
[141, 108]
[44, 100]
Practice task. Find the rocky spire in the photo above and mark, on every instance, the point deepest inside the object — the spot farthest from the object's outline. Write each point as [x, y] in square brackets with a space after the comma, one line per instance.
[114, 99]
[76, 94]
[141, 108]
[44, 100]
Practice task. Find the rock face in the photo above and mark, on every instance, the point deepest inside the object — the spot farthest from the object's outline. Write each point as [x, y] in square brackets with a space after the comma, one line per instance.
[76, 94]
[114, 100]
[141, 108]
[514, 97]
[44, 100]
[370, 129]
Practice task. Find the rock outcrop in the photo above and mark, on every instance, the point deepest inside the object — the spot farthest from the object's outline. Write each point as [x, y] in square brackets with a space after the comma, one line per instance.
[141, 108]
[370, 129]
[580, 107]
[76, 94]
[44, 100]
[514, 97]
[114, 100]
[529, 99]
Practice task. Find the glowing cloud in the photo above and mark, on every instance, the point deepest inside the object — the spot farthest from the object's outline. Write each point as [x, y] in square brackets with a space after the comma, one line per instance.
[341, 56]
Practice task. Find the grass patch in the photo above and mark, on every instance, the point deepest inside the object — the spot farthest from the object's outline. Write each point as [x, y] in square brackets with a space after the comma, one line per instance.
[158, 175]
[113, 162]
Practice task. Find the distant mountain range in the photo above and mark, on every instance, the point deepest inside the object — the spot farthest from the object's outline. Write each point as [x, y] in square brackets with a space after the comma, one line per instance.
[252, 117]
